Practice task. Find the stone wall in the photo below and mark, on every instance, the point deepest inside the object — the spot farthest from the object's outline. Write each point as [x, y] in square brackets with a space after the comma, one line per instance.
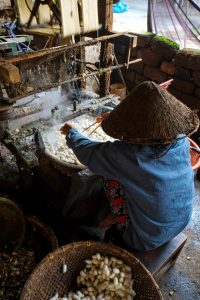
[161, 61]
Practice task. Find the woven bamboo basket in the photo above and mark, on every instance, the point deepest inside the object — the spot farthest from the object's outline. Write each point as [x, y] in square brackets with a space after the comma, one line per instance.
[48, 278]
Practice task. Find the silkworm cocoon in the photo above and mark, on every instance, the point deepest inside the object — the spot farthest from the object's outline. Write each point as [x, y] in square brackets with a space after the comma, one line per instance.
[106, 260]
[106, 270]
[127, 268]
[64, 268]
[116, 281]
[55, 297]
[98, 256]
[88, 261]
[75, 297]
[79, 294]
[116, 271]
[82, 274]
[112, 275]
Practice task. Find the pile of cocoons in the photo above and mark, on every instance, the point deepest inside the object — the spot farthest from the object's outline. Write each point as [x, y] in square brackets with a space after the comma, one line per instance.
[103, 278]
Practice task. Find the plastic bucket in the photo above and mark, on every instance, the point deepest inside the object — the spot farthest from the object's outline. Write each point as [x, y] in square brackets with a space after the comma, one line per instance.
[194, 156]
[118, 89]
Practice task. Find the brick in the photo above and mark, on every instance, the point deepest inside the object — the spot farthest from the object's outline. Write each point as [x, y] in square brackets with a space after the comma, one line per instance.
[129, 75]
[168, 67]
[140, 79]
[177, 94]
[155, 74]
[134, 52]
[120, 49]
[144, 40]
[191, 101]
[197, 93]
[163, 49]
[182, 73]
[138, 67]
[196, 76]
[188, 58]
[183, 86]
[149, 57]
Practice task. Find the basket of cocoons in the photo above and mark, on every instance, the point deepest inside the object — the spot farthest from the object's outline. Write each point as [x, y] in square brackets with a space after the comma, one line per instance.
[91, 271]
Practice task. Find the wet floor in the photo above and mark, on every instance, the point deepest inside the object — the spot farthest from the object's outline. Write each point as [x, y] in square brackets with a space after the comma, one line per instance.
[182, 281]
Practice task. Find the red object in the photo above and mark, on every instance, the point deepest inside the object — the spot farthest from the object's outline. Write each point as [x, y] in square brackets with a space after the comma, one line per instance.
[194, 157]
[166, 84]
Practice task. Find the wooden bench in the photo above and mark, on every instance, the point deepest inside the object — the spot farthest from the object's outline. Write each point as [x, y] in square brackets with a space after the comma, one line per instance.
[159, 260]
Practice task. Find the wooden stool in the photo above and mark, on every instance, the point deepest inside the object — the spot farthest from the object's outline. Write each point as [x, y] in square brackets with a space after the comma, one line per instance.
[159, 260]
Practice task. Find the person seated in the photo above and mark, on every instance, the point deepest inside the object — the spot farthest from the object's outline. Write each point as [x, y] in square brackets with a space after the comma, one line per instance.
[146, 172]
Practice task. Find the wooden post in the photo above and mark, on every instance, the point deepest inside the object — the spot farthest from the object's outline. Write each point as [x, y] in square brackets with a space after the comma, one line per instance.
[106, 21]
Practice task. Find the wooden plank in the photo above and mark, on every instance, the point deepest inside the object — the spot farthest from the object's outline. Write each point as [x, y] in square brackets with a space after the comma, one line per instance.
[24, 12]
[89, 9]
[9, 73]
[44, 14]
[70, 17]
[59, 49]
[47, 31]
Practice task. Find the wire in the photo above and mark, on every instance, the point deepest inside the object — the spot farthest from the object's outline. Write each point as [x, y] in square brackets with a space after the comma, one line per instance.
[28, 6]
[24, 105]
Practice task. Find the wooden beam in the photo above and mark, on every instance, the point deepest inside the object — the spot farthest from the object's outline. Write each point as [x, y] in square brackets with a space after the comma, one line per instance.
[106, 20]
[76, 78]
[59, 49]
[9, 73]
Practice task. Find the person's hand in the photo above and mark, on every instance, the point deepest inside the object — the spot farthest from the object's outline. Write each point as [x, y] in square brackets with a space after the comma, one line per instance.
[102, 117]
[65, 128]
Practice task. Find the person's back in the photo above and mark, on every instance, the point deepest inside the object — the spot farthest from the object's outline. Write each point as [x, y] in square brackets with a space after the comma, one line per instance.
[148, 179]
[158, 183]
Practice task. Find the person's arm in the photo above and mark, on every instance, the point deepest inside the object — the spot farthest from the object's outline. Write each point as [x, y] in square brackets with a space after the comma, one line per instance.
[97, 156]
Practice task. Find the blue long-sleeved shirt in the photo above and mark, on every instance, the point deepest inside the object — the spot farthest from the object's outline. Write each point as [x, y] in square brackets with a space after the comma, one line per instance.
[159, 190]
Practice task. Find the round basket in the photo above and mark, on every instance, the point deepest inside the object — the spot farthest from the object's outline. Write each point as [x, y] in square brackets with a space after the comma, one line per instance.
[44, 231]
[48, 278]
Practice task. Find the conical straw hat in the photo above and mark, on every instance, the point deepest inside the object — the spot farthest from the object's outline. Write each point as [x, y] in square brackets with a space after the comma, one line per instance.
[150, 115]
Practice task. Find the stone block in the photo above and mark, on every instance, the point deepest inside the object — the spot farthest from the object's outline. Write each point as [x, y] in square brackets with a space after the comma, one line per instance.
[120, 58]
[140, 79]
[168, 67]
[183, 86]
[149, 57]
[144, 40]
[191, 101]
[188, 58]
[120, 49]
[177, 94]
[155, 74]
[182, 73]
[196, 76]
[138, 67]
[197, 93]
[130, 85]
[129, 75]
[163, 49]
[134, 52]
